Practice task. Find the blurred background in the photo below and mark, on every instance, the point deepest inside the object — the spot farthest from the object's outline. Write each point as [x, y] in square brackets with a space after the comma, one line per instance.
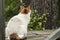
[45, 13]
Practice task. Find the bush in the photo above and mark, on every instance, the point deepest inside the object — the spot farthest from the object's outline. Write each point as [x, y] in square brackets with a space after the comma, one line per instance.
[37, 20]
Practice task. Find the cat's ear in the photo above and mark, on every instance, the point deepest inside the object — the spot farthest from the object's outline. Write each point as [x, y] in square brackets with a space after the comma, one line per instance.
[21, 7]
[28, 8]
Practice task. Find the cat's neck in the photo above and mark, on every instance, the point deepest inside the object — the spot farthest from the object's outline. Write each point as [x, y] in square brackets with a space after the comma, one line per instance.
[25, 14]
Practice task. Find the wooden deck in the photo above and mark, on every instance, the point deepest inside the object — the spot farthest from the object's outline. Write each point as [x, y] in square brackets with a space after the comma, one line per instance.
[38, 35]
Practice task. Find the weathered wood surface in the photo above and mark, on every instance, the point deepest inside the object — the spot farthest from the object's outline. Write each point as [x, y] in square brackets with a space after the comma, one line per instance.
[2, 24]
[55, 35]
[38, 35]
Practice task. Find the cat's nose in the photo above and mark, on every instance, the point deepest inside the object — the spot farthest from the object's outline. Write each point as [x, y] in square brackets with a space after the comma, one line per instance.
[25, 11]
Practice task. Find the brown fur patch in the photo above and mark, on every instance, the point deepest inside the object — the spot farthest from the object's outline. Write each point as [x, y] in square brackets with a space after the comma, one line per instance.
[14, 36]
[25, 10]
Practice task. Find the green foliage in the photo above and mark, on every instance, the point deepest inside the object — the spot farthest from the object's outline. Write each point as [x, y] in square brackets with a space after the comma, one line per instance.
[11, 8]
[37, 20]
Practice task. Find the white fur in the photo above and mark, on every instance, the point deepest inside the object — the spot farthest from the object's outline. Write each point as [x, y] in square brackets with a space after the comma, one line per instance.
[18, 24]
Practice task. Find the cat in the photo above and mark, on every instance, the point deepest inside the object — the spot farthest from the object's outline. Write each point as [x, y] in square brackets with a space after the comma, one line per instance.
[18, 24]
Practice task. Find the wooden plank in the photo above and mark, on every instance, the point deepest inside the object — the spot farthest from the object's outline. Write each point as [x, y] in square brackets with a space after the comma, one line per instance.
[2, 24]
[54, 35]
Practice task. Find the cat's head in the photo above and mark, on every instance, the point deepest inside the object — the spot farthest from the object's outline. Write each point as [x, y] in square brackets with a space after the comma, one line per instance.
[25, 10]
